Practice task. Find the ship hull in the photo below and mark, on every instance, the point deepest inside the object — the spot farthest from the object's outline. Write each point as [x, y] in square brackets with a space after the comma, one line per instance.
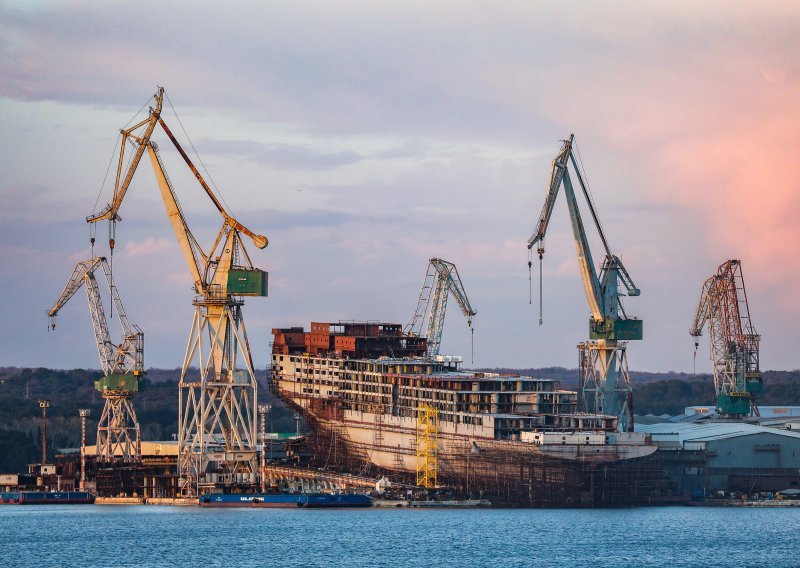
[506, 472]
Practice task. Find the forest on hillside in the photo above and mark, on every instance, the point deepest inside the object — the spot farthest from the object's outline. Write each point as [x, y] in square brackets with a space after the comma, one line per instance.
[68, 390]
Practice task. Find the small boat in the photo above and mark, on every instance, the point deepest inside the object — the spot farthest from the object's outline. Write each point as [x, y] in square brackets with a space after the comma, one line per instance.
[285, 500]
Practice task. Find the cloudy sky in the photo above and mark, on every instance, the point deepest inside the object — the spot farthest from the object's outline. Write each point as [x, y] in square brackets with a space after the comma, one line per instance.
[364, 138]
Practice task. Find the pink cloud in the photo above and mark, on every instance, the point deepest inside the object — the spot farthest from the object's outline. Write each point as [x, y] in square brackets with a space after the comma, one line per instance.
[149, 246]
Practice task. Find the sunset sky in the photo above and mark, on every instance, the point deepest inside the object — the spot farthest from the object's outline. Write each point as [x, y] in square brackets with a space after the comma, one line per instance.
[363, 138]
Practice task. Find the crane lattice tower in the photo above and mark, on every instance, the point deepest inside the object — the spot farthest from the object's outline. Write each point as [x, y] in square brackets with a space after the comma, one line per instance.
[734, 341]
[118, 433]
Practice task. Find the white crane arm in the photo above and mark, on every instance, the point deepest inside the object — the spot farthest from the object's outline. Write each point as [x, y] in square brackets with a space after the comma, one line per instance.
[557, 171]
[456, 288]
[74, 283]
[441, 279]
[120, 189]
[703, 309]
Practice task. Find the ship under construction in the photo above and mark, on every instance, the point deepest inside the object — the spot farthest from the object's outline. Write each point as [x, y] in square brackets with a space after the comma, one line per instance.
[378, 404]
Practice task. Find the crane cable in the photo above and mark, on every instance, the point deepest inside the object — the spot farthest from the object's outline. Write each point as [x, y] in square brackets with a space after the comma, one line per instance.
[92, 226]
[472, 345]
[112, 222]
[530, 284]
[541, 302]
[197, 154]
[112, 232]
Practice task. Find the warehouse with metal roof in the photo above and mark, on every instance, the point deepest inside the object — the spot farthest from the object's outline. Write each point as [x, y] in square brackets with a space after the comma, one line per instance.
[712, 456]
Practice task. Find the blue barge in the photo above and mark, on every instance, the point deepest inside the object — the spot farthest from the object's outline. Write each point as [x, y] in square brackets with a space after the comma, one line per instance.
[285, 500]
[47, 498]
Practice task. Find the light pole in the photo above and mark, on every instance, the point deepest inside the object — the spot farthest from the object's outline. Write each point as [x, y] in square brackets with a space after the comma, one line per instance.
[263, 409]
[44, 405]
[84, 412]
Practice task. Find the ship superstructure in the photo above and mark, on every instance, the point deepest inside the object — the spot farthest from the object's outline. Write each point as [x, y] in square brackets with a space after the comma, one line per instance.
[363, 388]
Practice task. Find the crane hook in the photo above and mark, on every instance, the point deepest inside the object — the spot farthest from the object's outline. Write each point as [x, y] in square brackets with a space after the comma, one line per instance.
[540, 250]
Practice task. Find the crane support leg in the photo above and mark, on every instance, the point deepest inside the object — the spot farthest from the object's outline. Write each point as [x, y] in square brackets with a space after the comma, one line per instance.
[605, 384]
[217, 422]
[118, 434]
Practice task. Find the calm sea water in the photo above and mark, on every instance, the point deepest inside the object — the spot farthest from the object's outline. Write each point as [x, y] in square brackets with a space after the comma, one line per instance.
[180, 536]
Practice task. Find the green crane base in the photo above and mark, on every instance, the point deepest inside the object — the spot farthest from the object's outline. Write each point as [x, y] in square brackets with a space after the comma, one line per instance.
[118, 382]
[734, 404]
[621, 329]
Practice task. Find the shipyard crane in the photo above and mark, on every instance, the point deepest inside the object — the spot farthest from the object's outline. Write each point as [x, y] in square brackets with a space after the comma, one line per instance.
[118, 432]
[441, 279]
[734, 341]
[605, 382]
[216, 424]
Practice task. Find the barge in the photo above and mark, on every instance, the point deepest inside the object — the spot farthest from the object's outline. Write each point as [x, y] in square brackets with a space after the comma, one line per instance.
[47, 498]
[285, 500]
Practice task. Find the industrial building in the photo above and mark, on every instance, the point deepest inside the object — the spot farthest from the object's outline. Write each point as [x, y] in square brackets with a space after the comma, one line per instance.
[706, 457]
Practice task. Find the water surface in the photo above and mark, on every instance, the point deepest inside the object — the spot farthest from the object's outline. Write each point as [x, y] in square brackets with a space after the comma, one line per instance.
[51, 535]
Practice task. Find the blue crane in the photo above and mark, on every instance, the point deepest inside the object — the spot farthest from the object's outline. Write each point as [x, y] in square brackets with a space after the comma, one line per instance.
[605, 382]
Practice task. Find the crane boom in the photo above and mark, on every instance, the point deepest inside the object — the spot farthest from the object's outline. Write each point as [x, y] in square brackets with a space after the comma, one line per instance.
[201, 265]
[441, 280]
[591, 285]
[195, 258]
[114, 358]
[120, 190]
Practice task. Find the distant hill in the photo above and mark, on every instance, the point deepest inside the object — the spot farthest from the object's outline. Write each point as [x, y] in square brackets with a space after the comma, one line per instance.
[670, 393]
[156, 408]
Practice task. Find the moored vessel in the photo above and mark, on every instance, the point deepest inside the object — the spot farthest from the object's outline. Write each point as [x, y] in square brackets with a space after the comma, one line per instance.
[365, 388]
[285, 500]
[47, 498]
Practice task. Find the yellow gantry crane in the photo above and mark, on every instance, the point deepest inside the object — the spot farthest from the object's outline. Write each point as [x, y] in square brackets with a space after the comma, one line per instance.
[118, 434]
[216, 423]
[427, 445]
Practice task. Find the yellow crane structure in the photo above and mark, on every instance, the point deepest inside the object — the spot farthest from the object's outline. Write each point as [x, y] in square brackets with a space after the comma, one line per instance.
[118, 434]
[217, 413]
[427, 446]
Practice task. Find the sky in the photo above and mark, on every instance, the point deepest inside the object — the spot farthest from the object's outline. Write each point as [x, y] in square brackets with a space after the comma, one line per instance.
[364, 138]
